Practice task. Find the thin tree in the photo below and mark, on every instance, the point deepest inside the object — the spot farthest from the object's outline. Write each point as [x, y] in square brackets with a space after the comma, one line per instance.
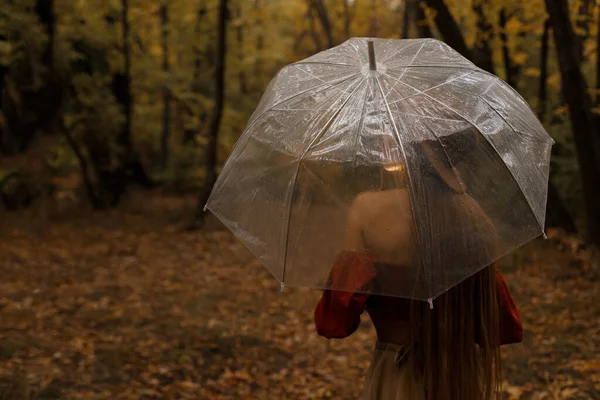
[130, 168]
[313, 29]
[582, 26]
[510, 69]
[449, 28]
[325, 21]
[406, 17]
[423, 28]
[543, 84]
[574, 88]
[598, 65]
[260, 40]
[482, 52]
[240, 39]
[190, 133]
[215, 122]
[348, 16]
[164, 138]
[127, 98]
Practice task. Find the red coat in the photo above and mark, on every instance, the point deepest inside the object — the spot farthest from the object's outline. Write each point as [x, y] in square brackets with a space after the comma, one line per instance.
[338, 313]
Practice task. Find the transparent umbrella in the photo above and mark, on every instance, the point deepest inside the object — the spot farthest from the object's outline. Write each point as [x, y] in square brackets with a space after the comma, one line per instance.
[402, 149]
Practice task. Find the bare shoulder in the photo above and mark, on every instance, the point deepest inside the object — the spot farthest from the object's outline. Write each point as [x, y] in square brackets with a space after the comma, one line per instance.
[369, 203]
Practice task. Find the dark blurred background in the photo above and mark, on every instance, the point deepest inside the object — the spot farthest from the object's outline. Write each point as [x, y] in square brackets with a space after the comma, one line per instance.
[99, 97]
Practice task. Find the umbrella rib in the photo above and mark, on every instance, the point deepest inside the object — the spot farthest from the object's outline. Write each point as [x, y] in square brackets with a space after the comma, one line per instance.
[348, 77]
[360, 128]
[493, 108]
[433, 131]
[295, 181]
[326, 63]
[410, 182]
[452, 80]
[255, 121]
[503, 118]
[306, 72]
[403, 72]
[272, 107]
[423, 91]
[514, 92]
[408, 46]
[426, 116]
[391, 66]
[490, 143]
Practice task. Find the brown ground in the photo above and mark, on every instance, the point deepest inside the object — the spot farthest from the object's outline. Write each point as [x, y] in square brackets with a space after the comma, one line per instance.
[128, 305]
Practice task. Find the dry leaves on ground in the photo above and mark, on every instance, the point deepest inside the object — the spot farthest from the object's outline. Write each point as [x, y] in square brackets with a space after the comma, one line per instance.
[127, 305]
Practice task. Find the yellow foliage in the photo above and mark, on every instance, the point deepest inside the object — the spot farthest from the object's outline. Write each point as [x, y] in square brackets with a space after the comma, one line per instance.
[520, 58]
[554, 80]
[532, 72]
[561, 110]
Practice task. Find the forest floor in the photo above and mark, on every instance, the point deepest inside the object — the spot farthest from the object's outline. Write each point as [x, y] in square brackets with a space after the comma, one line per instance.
[127, 304]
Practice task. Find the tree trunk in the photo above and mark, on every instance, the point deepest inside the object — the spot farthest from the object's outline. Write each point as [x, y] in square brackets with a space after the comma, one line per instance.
[374, 25]
[164, 138]
[126, 99]
[240, 40]
[406, 17]
[50, 96]
[4, 149]
[348, 16]
[574, 88]
[215, 122]
[44, 9]
[448, 28]
[598, 66]
[197, 52]
[325, 22]
[510, 69]
[84, 167]
[36, 109]
[313, 30]
[542, 93]
[115, 179]
[259, 43]
[482, 53]
[129, 166]
[557, 214]
[189, 134]
[582, 25]
[423, 28]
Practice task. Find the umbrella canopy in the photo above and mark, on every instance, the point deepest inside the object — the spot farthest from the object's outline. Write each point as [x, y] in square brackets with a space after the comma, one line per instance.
[437, 167]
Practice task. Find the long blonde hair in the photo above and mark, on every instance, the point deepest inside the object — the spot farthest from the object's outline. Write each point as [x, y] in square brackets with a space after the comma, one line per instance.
[457, 342]
[452, 366]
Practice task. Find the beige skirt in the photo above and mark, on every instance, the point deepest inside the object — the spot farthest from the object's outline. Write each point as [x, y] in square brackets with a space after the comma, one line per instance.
[391, 376]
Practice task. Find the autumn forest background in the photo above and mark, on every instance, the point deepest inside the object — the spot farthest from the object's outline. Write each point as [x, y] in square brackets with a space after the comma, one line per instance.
[116, 116]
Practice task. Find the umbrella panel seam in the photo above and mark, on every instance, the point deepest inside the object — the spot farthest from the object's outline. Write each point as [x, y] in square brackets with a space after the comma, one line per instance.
[293, 187]
[489, 142]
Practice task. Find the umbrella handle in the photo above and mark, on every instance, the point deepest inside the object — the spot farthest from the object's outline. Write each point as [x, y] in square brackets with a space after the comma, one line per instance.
[372, 63]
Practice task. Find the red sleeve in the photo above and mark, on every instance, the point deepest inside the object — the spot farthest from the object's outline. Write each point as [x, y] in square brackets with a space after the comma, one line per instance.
[511, 328]
[338, 313]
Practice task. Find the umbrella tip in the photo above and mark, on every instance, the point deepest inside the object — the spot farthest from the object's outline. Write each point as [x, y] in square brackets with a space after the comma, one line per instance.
[282, 286]
[430, 301]
[372, 63]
